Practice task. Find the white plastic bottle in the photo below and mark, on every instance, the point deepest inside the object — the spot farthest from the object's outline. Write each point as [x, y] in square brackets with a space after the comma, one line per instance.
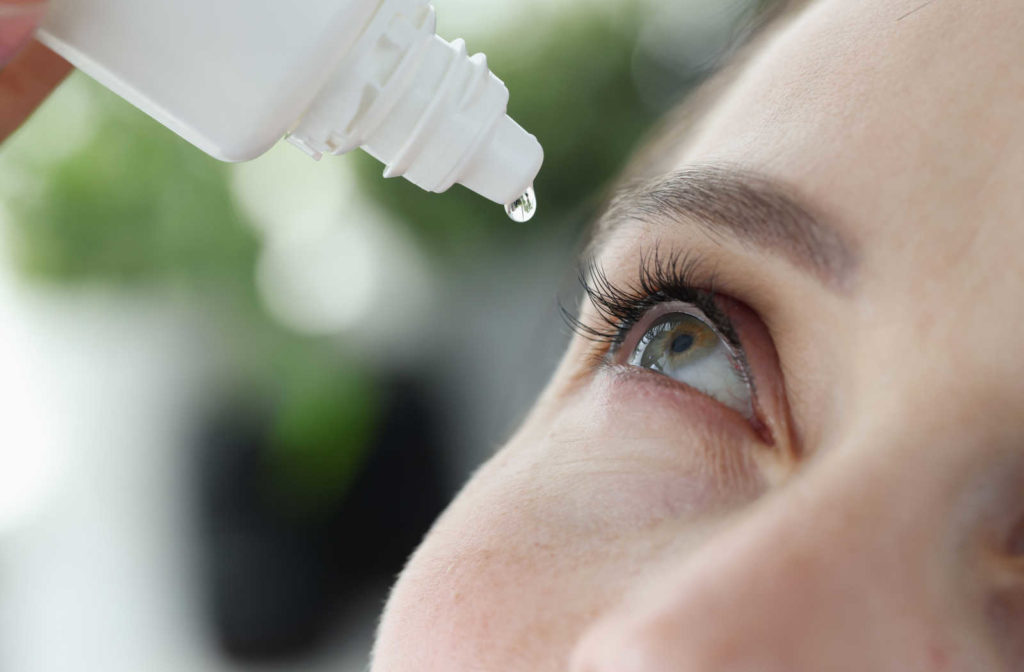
[235, 76]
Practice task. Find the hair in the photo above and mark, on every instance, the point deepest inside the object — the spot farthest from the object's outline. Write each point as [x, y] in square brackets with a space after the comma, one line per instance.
[667, 140]
[659, 150]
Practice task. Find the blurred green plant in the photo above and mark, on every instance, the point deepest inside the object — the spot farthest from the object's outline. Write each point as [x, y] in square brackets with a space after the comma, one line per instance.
[133, 206]
[324, 424]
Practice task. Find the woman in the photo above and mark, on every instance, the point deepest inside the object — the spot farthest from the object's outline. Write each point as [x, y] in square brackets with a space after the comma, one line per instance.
[789, 435]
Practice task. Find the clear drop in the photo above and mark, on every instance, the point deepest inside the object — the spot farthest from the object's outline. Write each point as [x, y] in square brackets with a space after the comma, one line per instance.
[522, 209]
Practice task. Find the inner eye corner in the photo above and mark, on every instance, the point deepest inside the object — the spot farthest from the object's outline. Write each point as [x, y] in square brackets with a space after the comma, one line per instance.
[1002, 551]
[1014, 544]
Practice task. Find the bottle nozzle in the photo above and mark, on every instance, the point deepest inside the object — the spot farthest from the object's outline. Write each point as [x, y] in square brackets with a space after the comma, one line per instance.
[505, 163]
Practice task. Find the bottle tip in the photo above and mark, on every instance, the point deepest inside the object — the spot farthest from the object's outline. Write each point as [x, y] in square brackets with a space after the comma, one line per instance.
[504, 164]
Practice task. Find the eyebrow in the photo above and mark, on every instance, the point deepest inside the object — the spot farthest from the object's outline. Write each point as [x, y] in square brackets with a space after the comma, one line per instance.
[744, 205]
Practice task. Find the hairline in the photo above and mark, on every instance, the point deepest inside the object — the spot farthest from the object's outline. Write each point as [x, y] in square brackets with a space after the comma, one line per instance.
[667, 140]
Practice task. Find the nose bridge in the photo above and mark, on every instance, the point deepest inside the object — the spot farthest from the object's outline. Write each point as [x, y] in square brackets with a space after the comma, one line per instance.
[831, 572]
[939, 353]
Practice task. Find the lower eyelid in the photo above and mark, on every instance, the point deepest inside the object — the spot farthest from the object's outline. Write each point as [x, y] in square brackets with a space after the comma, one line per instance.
[664, 394]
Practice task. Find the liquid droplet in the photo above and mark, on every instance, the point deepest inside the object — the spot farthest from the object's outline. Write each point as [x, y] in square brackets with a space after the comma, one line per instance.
[522, 209]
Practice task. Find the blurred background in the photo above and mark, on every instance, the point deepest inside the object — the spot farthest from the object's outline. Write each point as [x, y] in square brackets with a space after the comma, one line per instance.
[236, 396]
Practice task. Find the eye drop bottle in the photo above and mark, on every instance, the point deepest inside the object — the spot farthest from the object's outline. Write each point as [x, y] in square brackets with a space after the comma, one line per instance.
[233, 77]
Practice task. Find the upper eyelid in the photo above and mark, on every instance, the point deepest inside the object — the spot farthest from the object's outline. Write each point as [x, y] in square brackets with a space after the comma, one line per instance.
[619, 306]
[611, 341]
[681, 275]
[656, 312]
[618, 302]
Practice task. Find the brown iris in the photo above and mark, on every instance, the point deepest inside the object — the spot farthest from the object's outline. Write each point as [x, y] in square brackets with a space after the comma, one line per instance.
[675, 341]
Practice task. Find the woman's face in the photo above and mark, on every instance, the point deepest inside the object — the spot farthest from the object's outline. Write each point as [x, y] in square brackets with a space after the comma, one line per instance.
[819, 467]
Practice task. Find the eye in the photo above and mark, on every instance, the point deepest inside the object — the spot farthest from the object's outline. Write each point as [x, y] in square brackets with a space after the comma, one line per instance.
[679, 341]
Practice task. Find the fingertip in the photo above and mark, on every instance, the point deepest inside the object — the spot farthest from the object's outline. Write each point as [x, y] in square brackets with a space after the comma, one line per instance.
[26, 82]
[18, 22]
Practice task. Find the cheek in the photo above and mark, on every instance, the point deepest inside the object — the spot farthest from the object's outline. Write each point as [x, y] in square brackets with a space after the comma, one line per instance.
[553, 531]
[635, 451]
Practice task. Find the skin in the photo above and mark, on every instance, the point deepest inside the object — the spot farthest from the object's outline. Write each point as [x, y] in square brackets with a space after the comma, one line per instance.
[29, 72]
[633, 525]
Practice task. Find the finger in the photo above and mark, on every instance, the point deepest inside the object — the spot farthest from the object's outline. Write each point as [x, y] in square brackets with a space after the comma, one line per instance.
[18, 20]
[25, 82]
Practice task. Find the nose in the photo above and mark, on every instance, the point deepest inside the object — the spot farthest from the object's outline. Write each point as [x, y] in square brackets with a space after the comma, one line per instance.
[837, 573]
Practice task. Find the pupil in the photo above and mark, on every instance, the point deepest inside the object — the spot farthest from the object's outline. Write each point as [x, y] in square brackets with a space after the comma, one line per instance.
[682, 343]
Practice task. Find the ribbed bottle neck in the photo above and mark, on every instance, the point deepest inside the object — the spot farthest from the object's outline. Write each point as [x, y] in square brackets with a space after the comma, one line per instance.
[424, 107]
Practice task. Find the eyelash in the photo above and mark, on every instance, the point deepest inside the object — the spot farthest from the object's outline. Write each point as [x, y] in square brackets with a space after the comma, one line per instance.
[660, 279]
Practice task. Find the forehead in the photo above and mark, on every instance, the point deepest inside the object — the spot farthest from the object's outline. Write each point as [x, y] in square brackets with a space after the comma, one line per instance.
[905, 117]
